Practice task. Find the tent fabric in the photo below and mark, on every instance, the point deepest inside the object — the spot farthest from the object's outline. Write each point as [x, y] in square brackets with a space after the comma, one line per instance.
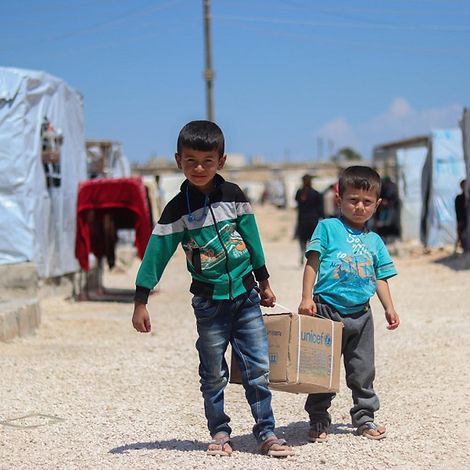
[37, 223]
[465, 125]
[410, 167]
[121, 203]
[443, 170]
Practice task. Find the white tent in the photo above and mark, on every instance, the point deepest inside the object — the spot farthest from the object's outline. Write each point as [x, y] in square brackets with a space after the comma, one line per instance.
[37, 222]
[443, 170]
[410, 162]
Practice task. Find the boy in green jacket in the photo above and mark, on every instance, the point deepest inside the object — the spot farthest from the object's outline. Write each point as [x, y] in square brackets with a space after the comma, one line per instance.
[214, 222]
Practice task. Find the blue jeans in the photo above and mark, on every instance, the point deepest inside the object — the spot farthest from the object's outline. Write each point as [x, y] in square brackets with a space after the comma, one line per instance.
[239, 322]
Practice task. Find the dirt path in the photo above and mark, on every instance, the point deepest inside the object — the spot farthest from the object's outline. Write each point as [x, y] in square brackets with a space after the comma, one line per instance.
[127, 400]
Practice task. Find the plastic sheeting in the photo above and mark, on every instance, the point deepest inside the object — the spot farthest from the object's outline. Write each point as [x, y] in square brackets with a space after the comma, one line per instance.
[38, 223]
[465, 124]
[410, 168]
[443, 170]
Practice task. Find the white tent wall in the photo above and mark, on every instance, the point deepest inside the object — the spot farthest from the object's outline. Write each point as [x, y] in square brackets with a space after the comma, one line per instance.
[465, 125]
[410, 162]
[444, 169]
[36, 223]
[121, 167]
[169, 186]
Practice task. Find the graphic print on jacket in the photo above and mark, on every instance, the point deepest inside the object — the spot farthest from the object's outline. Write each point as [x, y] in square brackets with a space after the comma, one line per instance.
[208, 256]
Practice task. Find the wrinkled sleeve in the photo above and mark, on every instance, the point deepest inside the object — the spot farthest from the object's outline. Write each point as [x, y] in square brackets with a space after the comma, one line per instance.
[161, 247]
[318, 241]
[384, 267]
[246, 226]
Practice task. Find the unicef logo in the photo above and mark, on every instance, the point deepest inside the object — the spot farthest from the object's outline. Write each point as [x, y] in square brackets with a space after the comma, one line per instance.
[328, 340]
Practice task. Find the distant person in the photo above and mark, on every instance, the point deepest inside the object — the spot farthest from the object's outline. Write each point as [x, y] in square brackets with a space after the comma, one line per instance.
[330, 201]
[461, 215]
[349, 264]
[309, 211]
[386, 221]
[213, 221]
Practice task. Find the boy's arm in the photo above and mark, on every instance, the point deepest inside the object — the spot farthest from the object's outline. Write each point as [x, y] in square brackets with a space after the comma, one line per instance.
[307, 305]
[246, 226]
[383, 292]
[157, 255]
[159, 251]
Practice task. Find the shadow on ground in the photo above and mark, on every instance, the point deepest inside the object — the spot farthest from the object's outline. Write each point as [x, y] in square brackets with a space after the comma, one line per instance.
[295, 434]
[455, 261]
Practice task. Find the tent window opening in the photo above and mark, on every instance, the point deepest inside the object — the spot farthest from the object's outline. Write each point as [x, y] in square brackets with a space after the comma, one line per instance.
[52, 141]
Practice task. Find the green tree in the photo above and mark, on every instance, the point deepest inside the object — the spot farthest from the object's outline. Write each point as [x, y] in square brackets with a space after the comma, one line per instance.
[346, 154]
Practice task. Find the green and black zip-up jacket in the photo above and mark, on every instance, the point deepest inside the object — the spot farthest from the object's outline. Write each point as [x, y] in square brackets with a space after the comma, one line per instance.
[219, 236]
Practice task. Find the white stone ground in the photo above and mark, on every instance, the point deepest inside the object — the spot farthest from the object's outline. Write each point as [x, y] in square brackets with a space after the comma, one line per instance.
[127, 400]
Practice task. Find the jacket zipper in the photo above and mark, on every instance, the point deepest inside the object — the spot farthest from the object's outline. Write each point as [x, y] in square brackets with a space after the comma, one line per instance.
[226, 253]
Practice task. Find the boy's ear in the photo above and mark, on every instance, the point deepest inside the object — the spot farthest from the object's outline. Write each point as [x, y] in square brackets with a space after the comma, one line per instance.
[178, 160]
[337, 199]
[379, 201]
[221, 163]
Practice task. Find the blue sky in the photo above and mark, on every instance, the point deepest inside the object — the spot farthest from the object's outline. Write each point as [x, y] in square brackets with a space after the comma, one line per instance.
[289, 74]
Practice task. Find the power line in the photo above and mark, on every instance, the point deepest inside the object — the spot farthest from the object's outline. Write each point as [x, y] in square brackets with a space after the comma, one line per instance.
[359, 25]
[136, 12]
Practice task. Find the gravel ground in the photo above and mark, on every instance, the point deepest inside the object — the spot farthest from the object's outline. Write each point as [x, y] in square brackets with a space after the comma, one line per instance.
[87, 392]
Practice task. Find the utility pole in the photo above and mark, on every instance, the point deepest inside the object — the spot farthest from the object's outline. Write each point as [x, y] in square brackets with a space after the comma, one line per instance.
[208, 72]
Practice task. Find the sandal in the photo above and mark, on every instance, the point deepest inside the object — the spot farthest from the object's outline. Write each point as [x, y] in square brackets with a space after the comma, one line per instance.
[370, 430]
[274, 447]
[220, 445]
[318, 432]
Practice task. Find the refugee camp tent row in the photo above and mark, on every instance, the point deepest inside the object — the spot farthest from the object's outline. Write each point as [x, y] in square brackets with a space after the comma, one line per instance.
[42, 159]
[428, 171]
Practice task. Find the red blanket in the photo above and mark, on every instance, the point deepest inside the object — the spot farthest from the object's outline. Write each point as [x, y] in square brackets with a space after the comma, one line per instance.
[105, 205]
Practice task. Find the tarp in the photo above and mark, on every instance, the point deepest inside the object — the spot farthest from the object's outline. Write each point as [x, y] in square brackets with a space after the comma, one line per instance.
[410, 168]
[169, 186]
[37, 223]
[443, 170]
[465, 124]
[104, 206]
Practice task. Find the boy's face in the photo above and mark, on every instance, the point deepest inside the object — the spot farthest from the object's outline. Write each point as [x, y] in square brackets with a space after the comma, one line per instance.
[200, 166]
[358, 206]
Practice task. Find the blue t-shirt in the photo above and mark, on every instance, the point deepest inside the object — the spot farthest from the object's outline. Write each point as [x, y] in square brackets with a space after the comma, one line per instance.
[351, 262]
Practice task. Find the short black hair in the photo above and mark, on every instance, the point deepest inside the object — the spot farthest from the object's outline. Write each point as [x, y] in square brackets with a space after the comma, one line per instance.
[201, 135]
[359, 177]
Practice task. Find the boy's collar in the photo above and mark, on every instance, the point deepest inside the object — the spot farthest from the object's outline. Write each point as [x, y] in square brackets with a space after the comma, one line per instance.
[354, 231]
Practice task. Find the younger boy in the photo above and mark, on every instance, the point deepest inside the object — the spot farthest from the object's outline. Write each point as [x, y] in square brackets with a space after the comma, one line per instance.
[214, 222]
[349, 264]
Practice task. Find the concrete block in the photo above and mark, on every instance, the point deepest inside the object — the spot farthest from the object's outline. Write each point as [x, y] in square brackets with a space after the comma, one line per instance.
[19, 318]
[18, 281]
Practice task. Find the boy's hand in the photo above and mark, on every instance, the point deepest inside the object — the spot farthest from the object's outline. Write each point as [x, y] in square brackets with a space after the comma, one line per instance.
[268, 299]
[141, 318]
[307, 307]
[393, 319]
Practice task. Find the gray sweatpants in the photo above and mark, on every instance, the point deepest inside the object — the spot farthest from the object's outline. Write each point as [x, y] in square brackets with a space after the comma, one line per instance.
[358, 355]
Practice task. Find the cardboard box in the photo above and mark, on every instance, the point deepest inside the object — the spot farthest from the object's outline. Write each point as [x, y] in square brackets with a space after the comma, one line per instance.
[304, 353]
